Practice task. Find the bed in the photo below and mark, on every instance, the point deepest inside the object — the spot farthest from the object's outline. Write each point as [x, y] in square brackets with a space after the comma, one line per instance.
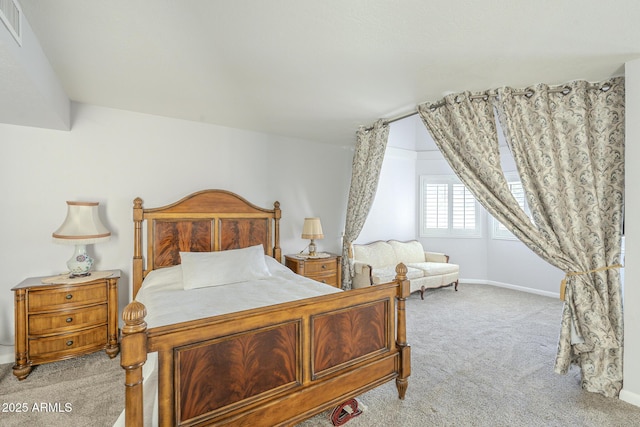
[277, 362]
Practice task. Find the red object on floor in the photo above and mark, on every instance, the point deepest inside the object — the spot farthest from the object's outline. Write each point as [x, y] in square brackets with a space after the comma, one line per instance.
[345, 412]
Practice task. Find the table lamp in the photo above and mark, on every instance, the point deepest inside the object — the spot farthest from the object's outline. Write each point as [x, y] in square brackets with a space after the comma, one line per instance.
[312, 229]
[81, 227]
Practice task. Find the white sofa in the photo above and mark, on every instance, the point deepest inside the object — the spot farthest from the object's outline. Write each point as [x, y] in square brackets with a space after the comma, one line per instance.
[375, 263]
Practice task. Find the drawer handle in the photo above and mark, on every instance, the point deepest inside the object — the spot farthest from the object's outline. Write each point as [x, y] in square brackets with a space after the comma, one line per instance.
[69, 296]
[324, 266]
[70, 343]
[69, 319]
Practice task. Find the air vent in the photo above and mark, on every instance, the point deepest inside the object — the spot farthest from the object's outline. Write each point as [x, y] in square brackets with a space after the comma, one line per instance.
[11, 15]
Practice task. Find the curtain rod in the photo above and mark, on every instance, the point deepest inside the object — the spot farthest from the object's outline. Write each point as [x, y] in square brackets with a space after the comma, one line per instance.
[492, 94]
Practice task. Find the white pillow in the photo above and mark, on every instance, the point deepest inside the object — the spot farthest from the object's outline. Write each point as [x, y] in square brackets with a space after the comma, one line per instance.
[202, 269]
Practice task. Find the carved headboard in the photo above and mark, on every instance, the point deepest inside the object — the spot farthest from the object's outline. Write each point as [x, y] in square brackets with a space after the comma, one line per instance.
[205, 221]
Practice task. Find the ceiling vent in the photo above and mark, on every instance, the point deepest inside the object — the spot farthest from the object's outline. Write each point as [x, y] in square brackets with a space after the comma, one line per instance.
[11, 15]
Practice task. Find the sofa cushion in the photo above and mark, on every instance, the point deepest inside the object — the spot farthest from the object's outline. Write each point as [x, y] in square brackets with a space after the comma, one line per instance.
[377, 254]
[434, 268]
[388, 274]
[407, 252]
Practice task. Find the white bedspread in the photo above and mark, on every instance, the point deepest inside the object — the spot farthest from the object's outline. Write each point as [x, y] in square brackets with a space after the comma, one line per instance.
[167, 302]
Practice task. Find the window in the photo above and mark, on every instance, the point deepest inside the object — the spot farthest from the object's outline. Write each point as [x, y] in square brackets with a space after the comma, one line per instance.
[447, 208]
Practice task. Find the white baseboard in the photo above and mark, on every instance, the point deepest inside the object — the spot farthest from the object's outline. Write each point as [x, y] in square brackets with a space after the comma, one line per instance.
[630, 397]
[510, 286]
[7, 354]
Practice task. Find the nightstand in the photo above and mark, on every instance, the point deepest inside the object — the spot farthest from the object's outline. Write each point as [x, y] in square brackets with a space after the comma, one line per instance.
[326, 270]
[65, 318]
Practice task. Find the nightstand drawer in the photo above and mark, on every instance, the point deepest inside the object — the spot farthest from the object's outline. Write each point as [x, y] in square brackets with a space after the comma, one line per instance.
[60, 346]
[329, 279]
[41, 324]
[51, 299]
[328, 266]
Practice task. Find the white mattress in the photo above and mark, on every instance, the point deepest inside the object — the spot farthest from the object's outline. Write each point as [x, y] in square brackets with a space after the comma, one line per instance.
[167, 302]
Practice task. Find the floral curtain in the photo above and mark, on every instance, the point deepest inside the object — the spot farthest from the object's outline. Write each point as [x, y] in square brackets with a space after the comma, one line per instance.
[568, 144]
[587, 246]
[365, 171]
[464, 129]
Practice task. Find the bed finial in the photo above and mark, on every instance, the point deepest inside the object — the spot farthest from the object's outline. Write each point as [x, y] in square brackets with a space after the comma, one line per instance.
[137, 203]
[133, 316]
[401, 272]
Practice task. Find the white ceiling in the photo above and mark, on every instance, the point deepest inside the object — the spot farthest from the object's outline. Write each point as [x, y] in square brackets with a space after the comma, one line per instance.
[316, 69]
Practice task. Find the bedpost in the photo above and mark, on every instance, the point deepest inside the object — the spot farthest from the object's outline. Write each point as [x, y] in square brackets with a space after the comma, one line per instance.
[133, 355]
[401, 339]
[137, 245]
[277, 252]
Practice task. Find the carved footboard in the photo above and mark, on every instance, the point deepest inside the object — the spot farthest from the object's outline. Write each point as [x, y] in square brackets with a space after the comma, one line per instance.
[276, 365]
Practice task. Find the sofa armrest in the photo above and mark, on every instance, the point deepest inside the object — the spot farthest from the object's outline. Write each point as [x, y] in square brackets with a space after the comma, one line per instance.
[436, 257]
[362, 268]
[362, 276]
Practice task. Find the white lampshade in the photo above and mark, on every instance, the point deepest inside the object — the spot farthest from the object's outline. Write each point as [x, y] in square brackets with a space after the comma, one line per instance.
[312, 229]
[82, 225]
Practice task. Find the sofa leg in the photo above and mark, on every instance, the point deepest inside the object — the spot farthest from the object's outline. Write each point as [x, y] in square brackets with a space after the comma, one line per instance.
[456, 285]
[422, 293]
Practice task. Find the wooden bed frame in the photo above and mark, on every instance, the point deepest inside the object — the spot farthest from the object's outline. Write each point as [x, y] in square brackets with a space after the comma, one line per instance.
[275, 365]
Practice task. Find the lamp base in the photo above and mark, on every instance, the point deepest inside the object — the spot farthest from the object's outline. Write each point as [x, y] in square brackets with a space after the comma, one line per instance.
[312, 248]
[80, 262]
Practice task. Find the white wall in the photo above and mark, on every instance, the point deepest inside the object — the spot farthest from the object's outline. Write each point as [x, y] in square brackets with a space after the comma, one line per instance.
[393, 212]
[511, 264]
[113, 156]
[631, 385]
[31, 93]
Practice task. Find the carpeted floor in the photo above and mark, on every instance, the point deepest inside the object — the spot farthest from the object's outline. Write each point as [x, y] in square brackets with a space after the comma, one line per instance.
[482, 356]
[85, 391]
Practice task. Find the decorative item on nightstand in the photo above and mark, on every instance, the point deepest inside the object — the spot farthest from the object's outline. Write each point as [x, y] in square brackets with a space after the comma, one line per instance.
[81, 227]
[312, 229]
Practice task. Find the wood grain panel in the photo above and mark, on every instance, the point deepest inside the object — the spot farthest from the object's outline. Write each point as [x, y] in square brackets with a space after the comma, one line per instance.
[61, 321]
[240, 233]
[171, 237]
[64, 346]
[43, 299]
[213, 375]
[347, 335]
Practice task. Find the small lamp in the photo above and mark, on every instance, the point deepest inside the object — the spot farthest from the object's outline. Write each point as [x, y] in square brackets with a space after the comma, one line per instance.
[81, 227]
[312, 229]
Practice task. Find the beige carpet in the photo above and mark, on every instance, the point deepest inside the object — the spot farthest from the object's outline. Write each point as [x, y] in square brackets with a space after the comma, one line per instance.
[85, 391]
[482, 356]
